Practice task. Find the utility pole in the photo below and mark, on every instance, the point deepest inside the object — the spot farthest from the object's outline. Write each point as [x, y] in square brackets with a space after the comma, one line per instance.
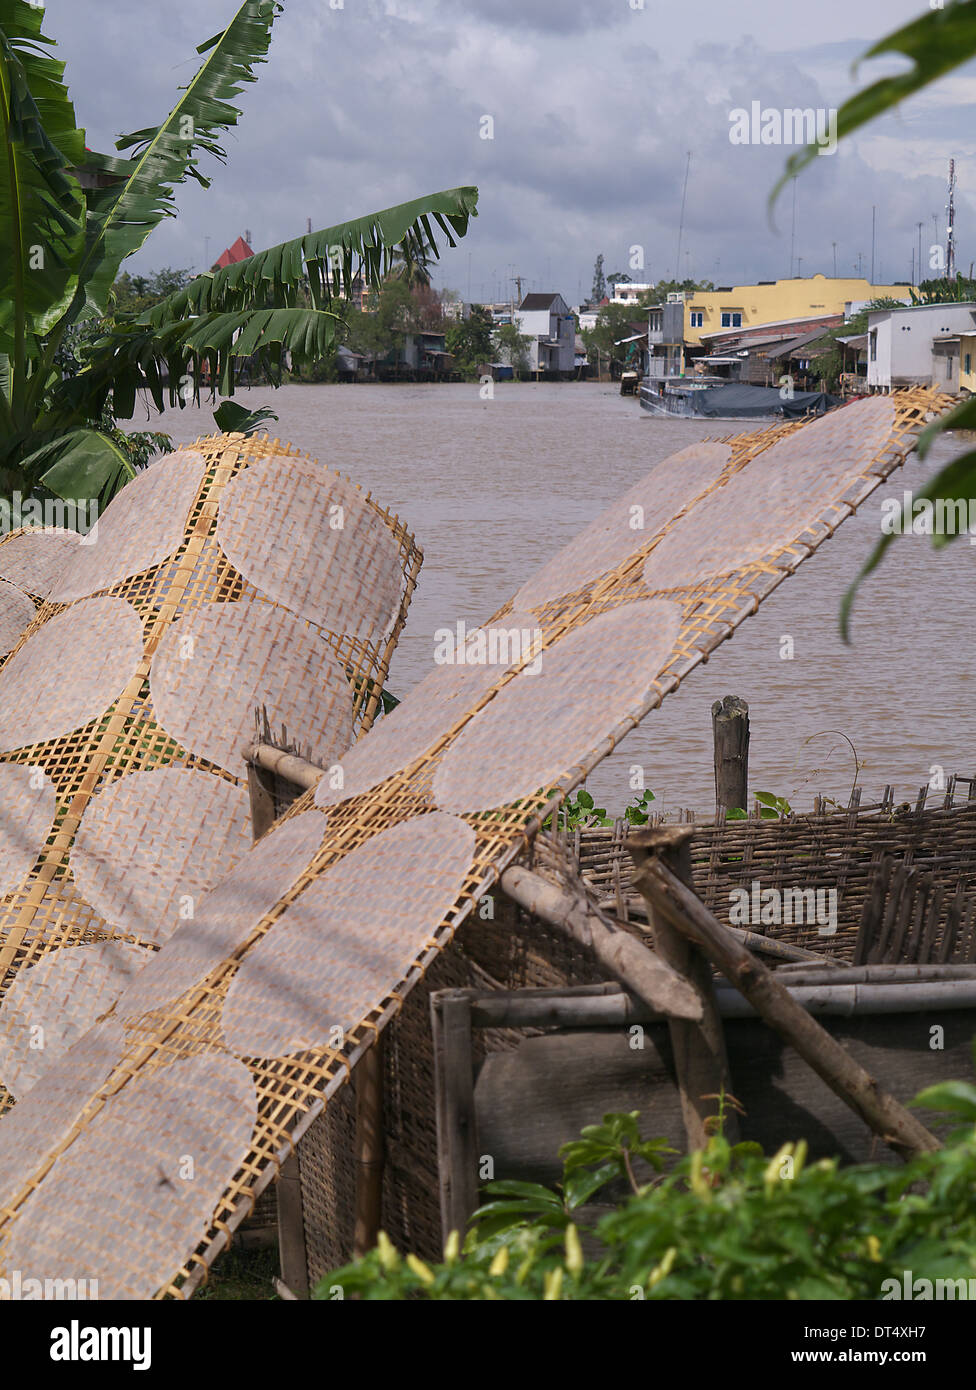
[793, 229]
[517, 282]
[681, 220]
[920, 225]
[834, 245]
[951, 224]
[874, 211]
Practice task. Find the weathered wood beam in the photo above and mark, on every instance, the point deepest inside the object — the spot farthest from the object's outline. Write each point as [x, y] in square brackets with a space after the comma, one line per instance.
[730, 735]
[674, 901]
[700, 1059]
[566, 907]
[457, 1135]
[370, 1150]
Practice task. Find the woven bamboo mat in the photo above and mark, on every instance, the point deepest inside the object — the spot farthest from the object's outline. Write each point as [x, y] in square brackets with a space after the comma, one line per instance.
[713, 581]
[125, 703]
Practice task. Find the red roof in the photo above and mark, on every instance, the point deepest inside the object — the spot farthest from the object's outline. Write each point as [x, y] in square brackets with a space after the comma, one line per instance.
[240, 251]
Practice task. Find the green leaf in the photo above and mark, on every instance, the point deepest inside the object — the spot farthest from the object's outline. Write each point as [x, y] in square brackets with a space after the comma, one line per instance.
[956, 1097]
[584, 799]
[324, 262]
[581, 1183]
[935, 43]
[41, 204]
[957, 480]
[89, 467]
[232, 418]
[123, 216]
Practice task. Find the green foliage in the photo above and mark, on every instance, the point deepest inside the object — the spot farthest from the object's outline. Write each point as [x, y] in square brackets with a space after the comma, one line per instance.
[958, 291]
[639, 810]
[660, 292]
[771, 807]
[935, 43]
[512, 346]
[71, 358]
[613, 323]
[599, 281]
[726, 1222]
[469, 340]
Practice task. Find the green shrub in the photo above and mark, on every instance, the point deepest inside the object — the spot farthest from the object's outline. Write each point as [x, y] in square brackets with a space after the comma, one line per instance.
[726, 1222]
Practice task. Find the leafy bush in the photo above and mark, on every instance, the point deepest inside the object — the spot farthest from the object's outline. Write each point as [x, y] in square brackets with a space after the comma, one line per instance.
[726, 1222]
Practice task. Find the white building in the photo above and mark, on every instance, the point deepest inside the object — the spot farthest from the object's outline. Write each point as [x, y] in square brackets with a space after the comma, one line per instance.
[917, 346]
[547, 321]
[627, 292]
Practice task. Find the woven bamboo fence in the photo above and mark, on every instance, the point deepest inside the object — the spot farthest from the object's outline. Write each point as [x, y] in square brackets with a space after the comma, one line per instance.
[249, 1019]
[833, 848]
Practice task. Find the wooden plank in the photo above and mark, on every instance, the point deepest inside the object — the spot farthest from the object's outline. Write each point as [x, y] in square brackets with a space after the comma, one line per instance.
[689, 916]
[457, 1140]
[698, 1048]
[291, 1230]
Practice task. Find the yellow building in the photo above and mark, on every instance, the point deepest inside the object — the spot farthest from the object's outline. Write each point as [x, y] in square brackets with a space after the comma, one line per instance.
[778, 301]
[967, 362]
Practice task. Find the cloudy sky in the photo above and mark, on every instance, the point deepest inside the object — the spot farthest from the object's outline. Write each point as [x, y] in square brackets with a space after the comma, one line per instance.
[594, 106]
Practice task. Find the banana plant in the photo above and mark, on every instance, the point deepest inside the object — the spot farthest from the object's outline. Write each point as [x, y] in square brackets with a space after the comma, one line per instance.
[69, 218]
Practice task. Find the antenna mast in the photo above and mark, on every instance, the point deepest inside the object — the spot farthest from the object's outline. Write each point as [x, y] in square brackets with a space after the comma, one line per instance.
[951, 224]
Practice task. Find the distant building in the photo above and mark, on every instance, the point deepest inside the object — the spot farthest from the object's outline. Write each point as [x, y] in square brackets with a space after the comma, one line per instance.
[547, 321]
[240, 251]
[797, 300]
[629, 292]
[918, 346]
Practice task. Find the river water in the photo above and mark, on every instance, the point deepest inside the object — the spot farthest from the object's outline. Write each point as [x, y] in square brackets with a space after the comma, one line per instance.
[492, 488]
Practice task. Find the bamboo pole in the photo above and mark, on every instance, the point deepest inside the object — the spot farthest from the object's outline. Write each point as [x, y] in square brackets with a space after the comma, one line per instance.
[289, 766]
[567, 908]
[675, 902]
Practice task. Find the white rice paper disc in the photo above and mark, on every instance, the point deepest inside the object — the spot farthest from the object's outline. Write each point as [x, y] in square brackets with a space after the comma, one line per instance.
[36, 559]
[69, 672]
[16, 612]
[630, 523]
[53, 1002]
[309, 539]
[213, 667]
[131, 1198]
[39, 1121]
[27, 806]
[227, 915]
[350, 938]
[777, 496]
[539, 727]
[432, 708]
[153, 843]
[144, 524]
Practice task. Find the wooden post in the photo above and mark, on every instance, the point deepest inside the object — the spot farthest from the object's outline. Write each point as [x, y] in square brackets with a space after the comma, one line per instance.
[457, 1140]
[368, 1078]
[730, 734]
[260, 786]
[291, 1230]
[689, 916]
[700, 1060]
